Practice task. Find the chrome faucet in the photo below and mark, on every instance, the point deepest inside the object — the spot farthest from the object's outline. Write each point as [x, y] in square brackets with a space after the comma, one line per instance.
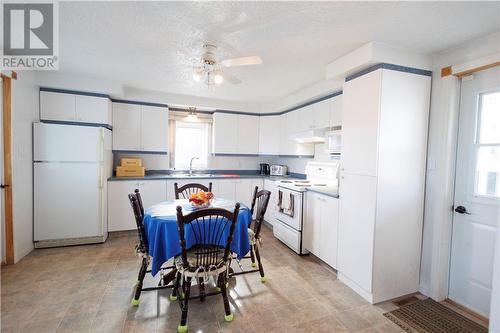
[191, 165]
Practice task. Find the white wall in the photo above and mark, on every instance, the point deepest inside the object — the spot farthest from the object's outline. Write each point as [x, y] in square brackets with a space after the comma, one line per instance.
[24, 113]
[441, 162]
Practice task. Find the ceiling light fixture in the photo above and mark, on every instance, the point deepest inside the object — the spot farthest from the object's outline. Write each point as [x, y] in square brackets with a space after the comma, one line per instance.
[192, 116]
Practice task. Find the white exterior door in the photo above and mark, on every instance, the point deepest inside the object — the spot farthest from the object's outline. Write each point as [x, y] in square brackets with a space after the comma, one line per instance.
[477, 192]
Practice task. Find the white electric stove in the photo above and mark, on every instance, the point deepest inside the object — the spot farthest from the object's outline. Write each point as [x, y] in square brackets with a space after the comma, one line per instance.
[291, 201]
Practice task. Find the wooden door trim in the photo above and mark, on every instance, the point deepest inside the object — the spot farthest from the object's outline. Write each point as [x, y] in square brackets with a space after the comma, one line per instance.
[7, 166]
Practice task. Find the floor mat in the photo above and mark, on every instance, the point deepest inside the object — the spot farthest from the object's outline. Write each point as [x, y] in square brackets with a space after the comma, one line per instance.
[429, 316]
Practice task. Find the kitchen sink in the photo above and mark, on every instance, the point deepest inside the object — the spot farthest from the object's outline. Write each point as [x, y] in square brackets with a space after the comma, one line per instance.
[187, 175]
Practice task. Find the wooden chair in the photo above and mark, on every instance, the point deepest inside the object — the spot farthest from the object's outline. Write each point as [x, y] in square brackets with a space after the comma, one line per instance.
[260, 202]
[142, 249]
[211, 231]
[185, 191]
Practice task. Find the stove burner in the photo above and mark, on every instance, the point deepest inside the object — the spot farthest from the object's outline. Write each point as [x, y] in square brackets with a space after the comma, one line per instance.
[319, 184]
[286, 181]
[302, 181]
[303, 185]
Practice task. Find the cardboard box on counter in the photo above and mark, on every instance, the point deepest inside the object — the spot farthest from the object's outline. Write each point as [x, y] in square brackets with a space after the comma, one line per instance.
[130, 171]
[129, 161]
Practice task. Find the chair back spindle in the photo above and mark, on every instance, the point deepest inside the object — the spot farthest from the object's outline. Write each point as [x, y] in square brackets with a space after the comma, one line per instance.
[260, 202]
[185, 191]
[208, 232]
[135, 202]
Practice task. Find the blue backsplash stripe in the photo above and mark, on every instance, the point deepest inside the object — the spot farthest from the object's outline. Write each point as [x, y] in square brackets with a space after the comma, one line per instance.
[75, 123]
[74, 92]
[138, 152]
[392, 67]
[124, 101]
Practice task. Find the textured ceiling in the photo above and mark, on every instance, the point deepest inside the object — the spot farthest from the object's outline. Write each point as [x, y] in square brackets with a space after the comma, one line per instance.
[153, 45]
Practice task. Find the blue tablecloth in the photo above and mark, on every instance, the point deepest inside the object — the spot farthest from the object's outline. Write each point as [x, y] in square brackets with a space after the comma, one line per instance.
[160, 222]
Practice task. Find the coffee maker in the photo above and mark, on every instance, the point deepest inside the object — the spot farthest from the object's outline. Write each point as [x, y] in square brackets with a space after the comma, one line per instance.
[265, 169]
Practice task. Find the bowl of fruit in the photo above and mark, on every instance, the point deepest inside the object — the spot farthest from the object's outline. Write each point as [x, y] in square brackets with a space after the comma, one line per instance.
[201, 199]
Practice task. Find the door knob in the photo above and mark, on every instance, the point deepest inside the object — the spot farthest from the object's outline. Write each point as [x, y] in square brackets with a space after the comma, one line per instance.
[4, 185]
[461, 210]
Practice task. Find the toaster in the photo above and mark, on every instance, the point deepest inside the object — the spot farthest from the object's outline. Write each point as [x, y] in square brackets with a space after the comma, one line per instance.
[278, 170]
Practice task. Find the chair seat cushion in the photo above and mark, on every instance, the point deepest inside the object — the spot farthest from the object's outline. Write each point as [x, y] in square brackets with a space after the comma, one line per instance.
[251, 236]
[192, 261]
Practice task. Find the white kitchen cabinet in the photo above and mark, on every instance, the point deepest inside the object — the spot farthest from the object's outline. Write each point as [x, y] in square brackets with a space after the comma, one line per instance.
[306, 119]
[140, 127]
[272, 207]
[321, 227]
[226, 189]
[289, 124]
[245, 188]
[91, 109]
[57, 106]
[235, 134]
[126, 126]
[321, 114]
[120, 214]
[360, 117]
[384, 121]
[269, 135]
[248, 134]
[335, 111]
[75, 108]
[154, 128]
[225, 133]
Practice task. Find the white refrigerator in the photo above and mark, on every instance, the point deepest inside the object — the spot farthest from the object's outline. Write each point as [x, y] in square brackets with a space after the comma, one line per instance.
[71, 165]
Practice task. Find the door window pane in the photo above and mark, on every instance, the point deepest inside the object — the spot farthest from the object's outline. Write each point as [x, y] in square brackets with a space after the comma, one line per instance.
[488, 171]
[489, 118]
[191, 140]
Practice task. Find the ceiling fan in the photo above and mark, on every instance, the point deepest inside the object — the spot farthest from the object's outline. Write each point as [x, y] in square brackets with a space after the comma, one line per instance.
[212, 72]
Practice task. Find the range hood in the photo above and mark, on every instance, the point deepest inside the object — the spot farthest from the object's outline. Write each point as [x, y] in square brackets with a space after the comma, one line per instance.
[309, 136]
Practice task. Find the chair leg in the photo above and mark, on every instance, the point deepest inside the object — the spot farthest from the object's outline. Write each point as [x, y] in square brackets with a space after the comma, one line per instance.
[140, 280]
[261, 268]
[229, 316]
[175, 290]
[252, 257]
[183, 325]
[202, 289]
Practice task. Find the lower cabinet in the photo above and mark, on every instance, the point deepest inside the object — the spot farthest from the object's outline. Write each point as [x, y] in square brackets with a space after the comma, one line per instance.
[272, 207]
[321, 227]
[240, 190]
[120, 215]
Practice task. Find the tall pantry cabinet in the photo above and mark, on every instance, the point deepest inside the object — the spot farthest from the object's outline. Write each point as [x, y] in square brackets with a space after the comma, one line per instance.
[384, 126]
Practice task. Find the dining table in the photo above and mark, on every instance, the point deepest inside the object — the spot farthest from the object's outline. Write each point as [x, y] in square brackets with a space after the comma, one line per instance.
[160, 223]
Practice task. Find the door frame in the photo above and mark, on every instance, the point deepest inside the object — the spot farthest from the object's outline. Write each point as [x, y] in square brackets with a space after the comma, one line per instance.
[450, 87]
[7, 164]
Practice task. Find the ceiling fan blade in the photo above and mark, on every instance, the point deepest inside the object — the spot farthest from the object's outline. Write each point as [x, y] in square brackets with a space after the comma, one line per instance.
[243, 61]
[231, 78]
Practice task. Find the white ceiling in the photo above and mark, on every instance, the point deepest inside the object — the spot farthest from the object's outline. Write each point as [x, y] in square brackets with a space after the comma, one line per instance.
[152, 45]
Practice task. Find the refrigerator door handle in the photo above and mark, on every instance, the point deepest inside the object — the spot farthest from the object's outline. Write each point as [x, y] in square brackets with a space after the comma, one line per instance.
[101, 176]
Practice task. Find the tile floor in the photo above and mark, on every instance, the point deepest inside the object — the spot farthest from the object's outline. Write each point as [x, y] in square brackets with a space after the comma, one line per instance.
[89, 288]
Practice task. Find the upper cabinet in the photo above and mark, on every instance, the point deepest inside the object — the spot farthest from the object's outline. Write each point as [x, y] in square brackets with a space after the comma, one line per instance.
[335, 109]
[248, 134]
[360, 119]
[321, 114]
[140, 128]
[269, 135]
[58, 106]
[235, 134]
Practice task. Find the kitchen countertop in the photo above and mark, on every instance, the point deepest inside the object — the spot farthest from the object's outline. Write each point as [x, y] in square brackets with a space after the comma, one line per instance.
[325, 191]
[164, 176]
